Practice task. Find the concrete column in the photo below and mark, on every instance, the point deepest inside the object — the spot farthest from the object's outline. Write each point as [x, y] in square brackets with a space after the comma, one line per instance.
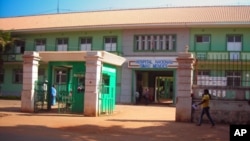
[184, 86]
[92, 83]
[30, 75]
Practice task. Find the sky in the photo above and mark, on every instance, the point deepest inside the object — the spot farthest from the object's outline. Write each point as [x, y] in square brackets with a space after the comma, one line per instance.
[14, 8]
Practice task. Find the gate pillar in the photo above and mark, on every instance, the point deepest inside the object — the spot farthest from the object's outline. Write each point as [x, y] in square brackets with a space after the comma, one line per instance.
[184, 86]
[30, 75]
[92, 83]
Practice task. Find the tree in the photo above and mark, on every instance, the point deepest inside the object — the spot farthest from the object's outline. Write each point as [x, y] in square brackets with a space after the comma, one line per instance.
[6, 42]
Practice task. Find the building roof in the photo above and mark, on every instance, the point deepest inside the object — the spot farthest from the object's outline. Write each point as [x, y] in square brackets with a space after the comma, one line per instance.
[132, 18]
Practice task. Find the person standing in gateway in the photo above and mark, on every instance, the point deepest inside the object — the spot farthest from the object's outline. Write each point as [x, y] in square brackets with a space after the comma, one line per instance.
[53, 95]
[205, 107]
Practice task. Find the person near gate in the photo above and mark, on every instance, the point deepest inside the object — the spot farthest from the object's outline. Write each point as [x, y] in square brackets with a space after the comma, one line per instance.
[53, 95]
[146, 95]
[205, 107]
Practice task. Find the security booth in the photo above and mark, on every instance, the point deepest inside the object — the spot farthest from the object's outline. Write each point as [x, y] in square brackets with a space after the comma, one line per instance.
[69, 79]
[85, 81]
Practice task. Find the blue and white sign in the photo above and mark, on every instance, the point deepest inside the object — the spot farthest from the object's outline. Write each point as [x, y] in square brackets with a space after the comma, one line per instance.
[151, 63]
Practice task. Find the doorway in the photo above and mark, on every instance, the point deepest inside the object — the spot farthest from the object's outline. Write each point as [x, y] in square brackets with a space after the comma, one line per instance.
[164, 89]
[161, 85]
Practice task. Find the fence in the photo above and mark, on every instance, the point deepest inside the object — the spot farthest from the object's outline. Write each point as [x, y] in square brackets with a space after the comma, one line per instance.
[227, 77]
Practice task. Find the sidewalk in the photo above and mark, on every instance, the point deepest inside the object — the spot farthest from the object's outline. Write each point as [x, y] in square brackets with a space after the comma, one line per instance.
[129, 122]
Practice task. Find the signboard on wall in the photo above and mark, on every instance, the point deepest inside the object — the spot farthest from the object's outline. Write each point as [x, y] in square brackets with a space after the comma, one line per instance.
[211, 81]
[148, 62]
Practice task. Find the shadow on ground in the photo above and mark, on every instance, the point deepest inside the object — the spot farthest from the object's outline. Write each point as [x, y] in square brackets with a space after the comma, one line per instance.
[162, 131]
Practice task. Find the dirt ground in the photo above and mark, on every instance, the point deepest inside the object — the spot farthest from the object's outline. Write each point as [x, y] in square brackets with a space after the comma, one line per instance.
[128, 123]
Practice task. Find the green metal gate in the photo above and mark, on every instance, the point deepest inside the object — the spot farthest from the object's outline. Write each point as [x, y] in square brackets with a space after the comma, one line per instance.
[40, 96]
[107, 95]
[70, 85]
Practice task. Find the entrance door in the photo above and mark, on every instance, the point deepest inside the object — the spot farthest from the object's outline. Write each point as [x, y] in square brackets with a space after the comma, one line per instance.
[78, 93]
[164, 89]
[160, 84]
[108, 90]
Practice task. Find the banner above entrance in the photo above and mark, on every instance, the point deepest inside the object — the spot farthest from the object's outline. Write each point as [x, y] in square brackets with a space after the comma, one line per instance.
[152, 62]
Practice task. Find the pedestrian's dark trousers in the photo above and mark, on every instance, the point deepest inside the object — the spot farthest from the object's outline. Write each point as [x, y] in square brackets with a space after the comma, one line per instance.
[206, 111]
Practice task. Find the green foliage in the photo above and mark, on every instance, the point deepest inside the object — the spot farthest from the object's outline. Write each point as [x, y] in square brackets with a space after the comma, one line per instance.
[5, 40]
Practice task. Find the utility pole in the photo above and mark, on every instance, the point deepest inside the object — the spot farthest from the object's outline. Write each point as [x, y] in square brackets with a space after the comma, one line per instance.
[57, 6]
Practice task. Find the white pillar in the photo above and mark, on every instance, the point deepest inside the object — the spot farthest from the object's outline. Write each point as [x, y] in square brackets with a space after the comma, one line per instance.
[184, 83]
[92, 83]
[30, 75]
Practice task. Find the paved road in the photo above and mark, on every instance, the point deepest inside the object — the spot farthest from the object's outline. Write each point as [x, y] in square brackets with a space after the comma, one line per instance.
[128, 123]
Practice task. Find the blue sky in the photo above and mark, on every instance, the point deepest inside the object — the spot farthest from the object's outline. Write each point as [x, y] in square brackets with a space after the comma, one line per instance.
[12, 8]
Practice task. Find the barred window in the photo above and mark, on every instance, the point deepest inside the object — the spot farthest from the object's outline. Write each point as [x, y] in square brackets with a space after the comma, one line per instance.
[233, 78]
[155, 42]
[60, 76]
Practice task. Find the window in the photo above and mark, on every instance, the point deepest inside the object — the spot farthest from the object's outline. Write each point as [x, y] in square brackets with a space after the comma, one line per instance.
[1, 76]
[203, 77]
[62, 44]
[233, 78]
[40, 44]
[86, 43]
[19, 47]
[61, 76]
[154, 42]
[105, 83]
[18, 76]
[234, 42]
[110, 43]
[204, 72]
[202, 38]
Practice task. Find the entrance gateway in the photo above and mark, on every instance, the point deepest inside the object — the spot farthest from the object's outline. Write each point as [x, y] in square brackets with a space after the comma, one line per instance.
[85, 81]
[158, 75]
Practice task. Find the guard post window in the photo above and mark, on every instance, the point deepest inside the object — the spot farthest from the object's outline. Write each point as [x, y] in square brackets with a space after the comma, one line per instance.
[40, 44]
[110, 43]
[61, 76]
[62, 44]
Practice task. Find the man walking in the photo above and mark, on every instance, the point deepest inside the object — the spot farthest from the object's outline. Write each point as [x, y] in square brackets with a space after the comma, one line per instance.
[205, 107]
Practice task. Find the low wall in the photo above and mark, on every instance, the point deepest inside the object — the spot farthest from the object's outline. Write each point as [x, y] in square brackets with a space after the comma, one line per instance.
[225, 111]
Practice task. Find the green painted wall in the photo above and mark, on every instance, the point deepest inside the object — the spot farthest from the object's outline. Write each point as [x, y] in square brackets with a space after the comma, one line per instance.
[97, 39]
[218, 38]
[8, 87]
